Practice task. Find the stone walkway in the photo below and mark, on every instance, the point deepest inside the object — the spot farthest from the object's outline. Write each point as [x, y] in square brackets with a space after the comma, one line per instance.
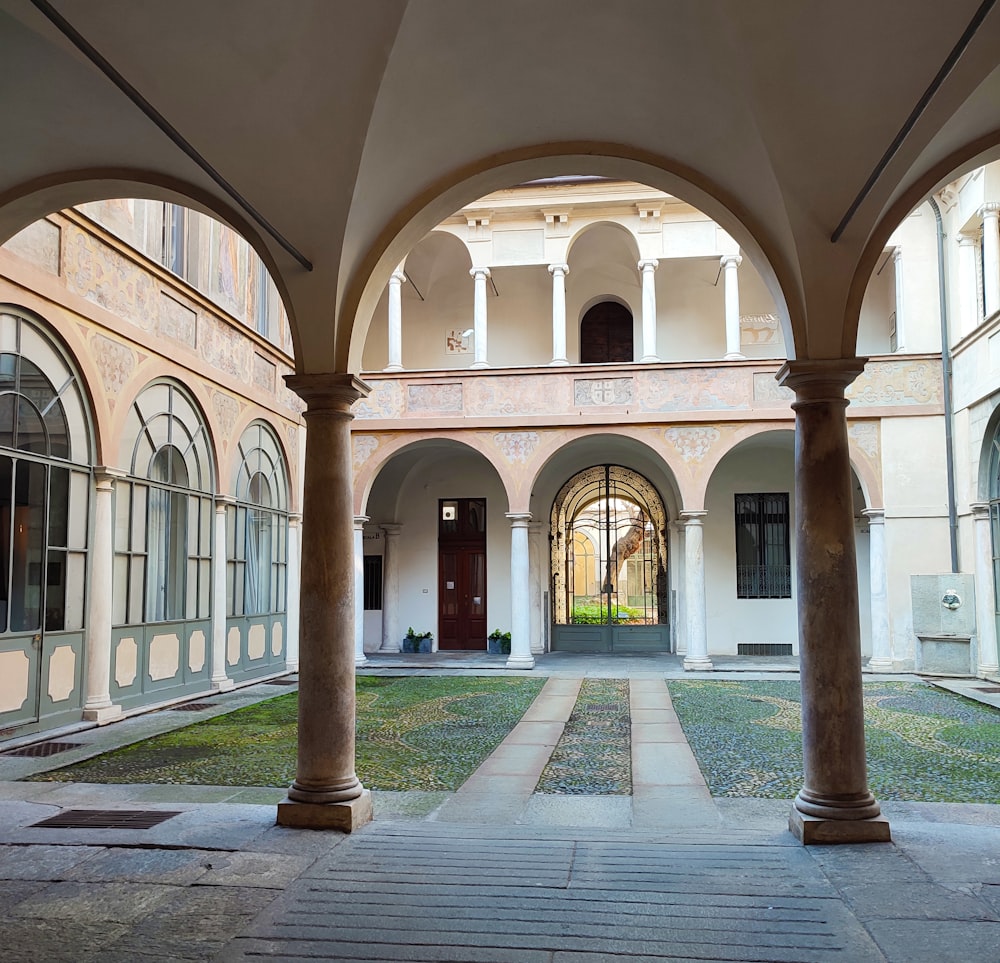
[493, 872]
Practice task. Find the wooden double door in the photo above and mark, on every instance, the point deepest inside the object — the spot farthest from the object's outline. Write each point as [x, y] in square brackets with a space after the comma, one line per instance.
[462, 573]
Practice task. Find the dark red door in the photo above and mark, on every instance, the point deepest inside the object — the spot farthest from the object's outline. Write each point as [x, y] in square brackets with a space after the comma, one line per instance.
[462, 574]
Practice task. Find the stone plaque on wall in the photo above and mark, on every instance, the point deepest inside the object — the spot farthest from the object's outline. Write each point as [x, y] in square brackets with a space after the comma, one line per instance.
[588, 392]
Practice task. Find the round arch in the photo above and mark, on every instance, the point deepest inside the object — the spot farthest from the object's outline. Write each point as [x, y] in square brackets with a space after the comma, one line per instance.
[463, 186]
[605, 222]
[64, 189]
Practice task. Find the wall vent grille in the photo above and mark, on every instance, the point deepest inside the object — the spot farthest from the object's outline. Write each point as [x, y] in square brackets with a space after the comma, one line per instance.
[764, 648]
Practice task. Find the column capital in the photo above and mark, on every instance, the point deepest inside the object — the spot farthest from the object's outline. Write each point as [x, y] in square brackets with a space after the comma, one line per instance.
[692, 517]
[562, 269]
[819, 380]
[980, 509]
[328, 392]
[359, 522]
[648, 264]
[875, 516]
[399, 276]
[734, 259]
[105, 477]
[390, 528]
[295, 519]
[222, 502]
[990, 208]
[518, 519]
[965, 239]
[479, 272]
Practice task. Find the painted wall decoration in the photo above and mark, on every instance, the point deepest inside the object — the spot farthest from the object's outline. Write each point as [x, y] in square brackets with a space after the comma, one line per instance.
[693, 444]
[603, 391]
[434, 398]
[518, 395]
[227, 410]
[363, 448]
[897, 383]
[177, 321]
[865, 434]
[759, 329]
[38, 244]
[385, 400]
[100, 274]
[115, 361]
[516, 446]
[224, 347]
[264, 373]
[691, 389]
[454, 343]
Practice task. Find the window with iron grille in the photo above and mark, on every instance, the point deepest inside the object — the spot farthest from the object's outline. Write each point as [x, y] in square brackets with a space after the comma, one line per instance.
[763, 556]
[373, 582]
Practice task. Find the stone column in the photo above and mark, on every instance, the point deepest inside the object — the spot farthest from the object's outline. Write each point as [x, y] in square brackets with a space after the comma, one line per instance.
[696, 624]
[986, 620]
[897, 268]
[730, 266]
[648, 268]
[968, 304]
[359, 590]
[99, 707]
[396, 280]
[991, 260]
[834, 804]
[326, 792]
[675, 574]
[559, 272]
[480, 274]
[391, 639]
[220, 679]
[520, 592]
[292, 594]
[881, 658]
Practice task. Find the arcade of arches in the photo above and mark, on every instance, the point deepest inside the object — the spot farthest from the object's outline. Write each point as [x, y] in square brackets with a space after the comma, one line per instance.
[479, 383]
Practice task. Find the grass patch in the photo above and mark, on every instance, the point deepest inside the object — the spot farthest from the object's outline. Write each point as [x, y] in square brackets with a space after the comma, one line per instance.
[924, 744]
[412, 733]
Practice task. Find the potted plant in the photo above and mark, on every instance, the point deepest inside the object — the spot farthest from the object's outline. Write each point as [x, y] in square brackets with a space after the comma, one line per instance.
[417, 641]
[498, 643]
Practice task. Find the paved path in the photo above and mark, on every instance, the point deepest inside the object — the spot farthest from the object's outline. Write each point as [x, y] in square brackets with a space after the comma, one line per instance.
[492, 872]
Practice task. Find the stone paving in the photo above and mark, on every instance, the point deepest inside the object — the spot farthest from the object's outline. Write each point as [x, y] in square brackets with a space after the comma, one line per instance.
[487, 873]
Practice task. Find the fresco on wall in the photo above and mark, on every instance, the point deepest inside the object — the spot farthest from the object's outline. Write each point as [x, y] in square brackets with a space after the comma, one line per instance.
[115, 361]
[897, 383]
[691, 389]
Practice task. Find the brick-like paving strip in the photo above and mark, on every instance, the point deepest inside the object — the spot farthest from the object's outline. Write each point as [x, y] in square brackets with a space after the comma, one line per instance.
[438, 893]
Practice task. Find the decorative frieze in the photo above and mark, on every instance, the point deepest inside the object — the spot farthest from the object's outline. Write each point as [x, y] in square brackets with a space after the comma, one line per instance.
[516, 446]
[693, 444]
[896, 383]
[38, 244]
[176, 321]
[436, 398]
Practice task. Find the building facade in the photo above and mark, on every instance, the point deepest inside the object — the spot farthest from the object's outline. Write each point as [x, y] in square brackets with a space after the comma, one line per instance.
[575, 433]
[149, 466]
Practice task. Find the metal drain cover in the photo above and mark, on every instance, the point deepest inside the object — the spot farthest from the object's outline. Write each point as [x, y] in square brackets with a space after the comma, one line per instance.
[193, 707]
[987, 688]
[40, 749]
[282, 682]
[106, 819]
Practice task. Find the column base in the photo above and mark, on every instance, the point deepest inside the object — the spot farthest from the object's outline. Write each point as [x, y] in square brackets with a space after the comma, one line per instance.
[520, 662]
[878, 665]
[343, 816]
[102, 714]
[698, 664]
[557, 362]
[649, 359]
[360, 663]
[813, 830]
[223, 685]
[734, 356]
[391, 649]
[989, 673]
[393, 367]
[480, 364]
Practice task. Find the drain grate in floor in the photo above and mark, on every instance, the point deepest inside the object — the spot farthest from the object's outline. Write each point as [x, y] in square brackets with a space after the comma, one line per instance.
[987, 688]
[105, 819]
[282, 682]
[193, 707]
[40, 749]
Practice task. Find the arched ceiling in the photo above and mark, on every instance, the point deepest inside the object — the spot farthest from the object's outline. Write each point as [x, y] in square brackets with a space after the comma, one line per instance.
[355, 127]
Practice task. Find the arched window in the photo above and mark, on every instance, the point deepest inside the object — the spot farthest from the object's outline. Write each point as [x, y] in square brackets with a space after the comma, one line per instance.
[164, 512]
[606, 334]
[258, 526]
[45, 446]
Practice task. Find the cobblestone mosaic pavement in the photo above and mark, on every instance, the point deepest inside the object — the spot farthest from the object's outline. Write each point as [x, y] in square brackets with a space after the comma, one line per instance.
[923, 744]
[593, 756]
[413, 733]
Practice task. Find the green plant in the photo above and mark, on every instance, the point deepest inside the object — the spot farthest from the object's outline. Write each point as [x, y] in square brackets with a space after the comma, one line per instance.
[499, 642]
[596, 613]
[417, 641]
[410, 634]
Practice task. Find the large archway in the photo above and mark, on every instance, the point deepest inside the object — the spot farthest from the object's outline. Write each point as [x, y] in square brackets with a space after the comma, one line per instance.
[608, 531]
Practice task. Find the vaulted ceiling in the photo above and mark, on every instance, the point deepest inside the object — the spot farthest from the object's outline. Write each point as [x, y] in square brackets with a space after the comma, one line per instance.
[352, 128]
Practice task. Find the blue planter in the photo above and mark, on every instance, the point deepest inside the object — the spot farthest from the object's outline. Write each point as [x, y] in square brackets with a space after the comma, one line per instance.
[418, 644]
